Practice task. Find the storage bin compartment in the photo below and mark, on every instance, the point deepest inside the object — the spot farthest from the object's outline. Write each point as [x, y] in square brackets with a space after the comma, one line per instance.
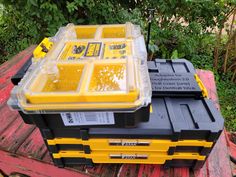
[57, 86]
[67, 79]
[85, 32]
[114, 32]
[108, 77]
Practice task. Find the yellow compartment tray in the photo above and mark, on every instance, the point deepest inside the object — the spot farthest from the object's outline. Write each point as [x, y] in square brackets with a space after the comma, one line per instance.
[128, 157]
[107, 83]
[129, 144]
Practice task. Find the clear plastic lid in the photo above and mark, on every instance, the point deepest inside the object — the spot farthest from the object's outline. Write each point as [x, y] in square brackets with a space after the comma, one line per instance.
[96, 67]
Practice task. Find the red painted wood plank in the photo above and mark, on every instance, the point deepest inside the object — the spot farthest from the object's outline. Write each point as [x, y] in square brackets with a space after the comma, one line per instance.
[15, 62]
[165, 172]
[218, 163]
[8, 69]
[80, 168]
[102, 170]
[5, 93]
[7, 117]
[13, 163]
[180, 172]
[230, 140]
[5, 75]
[15, 135]
[47, 158]
[143, 170]
[149, 170]
[208, 80]
[33, 146]
[128, 170]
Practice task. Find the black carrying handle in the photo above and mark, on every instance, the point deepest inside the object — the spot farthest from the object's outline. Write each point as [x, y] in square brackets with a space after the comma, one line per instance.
[21, 72]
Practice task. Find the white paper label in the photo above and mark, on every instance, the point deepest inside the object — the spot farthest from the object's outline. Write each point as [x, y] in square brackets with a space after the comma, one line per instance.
[87, 118]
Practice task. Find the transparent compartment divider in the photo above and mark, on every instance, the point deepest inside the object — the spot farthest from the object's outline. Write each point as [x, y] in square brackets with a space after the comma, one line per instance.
[128, 27]
[98, 34]
[140, 48]
[87, 73]
[132, 75]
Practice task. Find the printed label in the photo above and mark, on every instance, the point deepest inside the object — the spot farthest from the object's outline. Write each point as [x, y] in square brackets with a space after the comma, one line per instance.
[73, 51]
[174, 82]
[114, 50]
[128, 156]
[93, 49]
[87, 118]
[121, 142]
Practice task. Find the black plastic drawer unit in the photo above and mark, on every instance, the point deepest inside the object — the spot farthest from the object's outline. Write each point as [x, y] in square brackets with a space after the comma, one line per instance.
[170, 118]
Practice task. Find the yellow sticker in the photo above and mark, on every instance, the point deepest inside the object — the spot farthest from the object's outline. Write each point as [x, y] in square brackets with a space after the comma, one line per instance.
[115, 50]
[93, 49]
[73, 51]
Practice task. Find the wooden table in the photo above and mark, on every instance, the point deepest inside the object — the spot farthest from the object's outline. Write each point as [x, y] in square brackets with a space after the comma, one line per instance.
[22, 149]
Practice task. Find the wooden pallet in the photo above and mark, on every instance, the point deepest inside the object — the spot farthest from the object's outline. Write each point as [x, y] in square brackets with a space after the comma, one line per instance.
[22, 149]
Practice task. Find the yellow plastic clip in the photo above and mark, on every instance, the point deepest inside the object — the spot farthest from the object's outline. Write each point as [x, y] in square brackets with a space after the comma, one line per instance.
[42, 49]
[151, 109]
[201, 85]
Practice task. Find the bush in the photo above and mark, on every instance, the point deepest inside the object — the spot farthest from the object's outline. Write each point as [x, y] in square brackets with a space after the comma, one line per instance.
[27, 22]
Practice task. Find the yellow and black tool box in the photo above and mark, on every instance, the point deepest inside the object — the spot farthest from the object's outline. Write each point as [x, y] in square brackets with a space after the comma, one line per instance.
[96, 99]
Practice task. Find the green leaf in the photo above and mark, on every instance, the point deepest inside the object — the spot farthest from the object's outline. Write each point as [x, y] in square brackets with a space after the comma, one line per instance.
[33, 2]
[174, 54]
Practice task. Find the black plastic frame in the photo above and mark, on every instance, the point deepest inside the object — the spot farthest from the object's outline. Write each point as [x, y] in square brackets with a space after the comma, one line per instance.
[122, 120]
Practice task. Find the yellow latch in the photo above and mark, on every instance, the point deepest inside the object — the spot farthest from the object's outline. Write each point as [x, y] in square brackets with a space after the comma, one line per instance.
[42, 49]
[201, 85]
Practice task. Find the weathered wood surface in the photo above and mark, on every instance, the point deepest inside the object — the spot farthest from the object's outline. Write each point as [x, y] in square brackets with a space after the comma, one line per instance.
[22, 148]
